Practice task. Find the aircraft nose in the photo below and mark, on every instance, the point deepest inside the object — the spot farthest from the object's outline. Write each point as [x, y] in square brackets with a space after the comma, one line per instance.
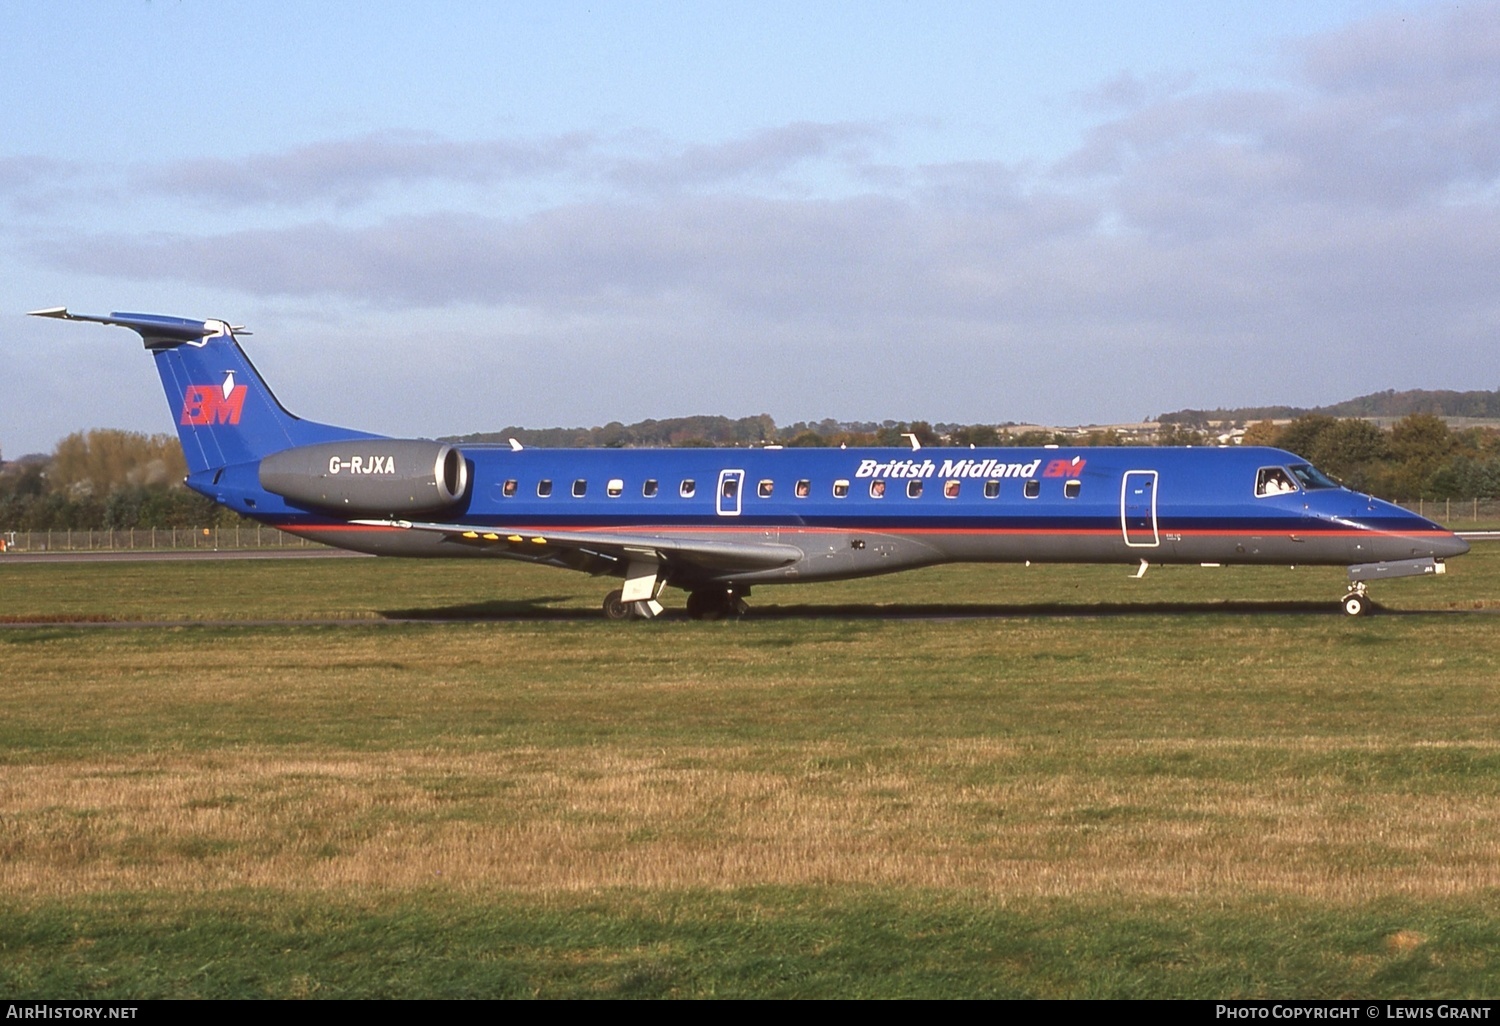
[1452, 545]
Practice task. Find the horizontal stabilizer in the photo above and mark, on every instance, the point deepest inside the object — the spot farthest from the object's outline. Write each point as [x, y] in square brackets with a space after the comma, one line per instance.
[156, 330]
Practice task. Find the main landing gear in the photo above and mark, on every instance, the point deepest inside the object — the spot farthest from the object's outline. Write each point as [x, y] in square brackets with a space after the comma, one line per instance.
[703, 604]
[716, 603]
[1357, 603]
[616, 608]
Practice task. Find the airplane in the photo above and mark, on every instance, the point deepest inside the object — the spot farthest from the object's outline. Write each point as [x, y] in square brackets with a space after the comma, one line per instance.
[717, 522]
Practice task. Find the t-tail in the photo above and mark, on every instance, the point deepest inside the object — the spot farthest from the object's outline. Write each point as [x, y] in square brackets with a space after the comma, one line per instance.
[225, 412]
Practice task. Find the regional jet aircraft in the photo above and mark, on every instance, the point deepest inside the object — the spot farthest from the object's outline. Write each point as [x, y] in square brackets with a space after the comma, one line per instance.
[716, 522]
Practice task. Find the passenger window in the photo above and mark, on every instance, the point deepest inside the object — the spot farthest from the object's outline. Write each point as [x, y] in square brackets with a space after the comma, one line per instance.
[1033, 489]
[765, 488]
[687, 488]
[580, 488]
[731, 487]
[648, 490]
[1273, 481]
[914, 489]
[543, 488]
[509, 488]
[1071, 489]
[841, 489]
[992, 489]
[877, 489]
[950, 489]
[615, 488]
[803, 489]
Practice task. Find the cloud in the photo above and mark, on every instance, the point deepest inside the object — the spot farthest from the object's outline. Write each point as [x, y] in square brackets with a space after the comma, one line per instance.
[757, 158]
[347, 172]
[1340, 224]
[1448, 55]
[350, 170]
[1378, 116]
[31, 183]
[19, 173]
[1127, 90]
[580, 254]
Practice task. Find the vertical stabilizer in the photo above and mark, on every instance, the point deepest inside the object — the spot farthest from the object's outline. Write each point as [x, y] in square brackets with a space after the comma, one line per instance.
[225, 412]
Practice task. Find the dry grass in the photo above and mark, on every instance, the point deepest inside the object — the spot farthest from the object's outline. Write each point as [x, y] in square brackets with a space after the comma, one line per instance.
[1177, 800]
[565, 820]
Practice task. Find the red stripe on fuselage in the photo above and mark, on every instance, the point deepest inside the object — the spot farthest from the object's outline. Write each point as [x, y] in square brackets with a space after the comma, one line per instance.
[672, 529]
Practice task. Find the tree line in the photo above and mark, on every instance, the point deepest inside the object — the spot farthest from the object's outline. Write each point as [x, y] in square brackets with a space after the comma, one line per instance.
[104, 479]
[119, 479]
[1419, 457]
[1389, 404]
[726, 432]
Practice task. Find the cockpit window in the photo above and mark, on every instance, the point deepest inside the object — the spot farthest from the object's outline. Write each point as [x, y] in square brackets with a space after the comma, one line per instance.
[1311, 477]
[1273, 481]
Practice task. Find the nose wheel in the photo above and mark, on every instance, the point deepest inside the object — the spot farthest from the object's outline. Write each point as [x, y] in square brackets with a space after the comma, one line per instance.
[1357, 603]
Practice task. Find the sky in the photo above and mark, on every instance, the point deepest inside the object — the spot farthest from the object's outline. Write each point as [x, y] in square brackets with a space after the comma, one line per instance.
[440, 218]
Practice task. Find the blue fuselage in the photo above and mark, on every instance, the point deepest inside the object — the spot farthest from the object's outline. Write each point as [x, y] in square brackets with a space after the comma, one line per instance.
[865, 511]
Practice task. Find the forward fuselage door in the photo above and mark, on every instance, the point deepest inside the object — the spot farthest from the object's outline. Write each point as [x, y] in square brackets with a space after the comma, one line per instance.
[731, 484]
[1138, 509]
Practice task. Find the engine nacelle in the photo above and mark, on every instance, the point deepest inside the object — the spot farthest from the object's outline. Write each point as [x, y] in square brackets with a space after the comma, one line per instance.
[369, 476]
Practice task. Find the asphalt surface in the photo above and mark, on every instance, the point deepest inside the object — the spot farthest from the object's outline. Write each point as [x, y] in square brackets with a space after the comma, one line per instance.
[169, 555]
[931, 614]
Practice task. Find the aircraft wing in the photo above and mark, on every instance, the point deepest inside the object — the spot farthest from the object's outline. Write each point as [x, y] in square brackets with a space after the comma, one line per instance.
[602, 551]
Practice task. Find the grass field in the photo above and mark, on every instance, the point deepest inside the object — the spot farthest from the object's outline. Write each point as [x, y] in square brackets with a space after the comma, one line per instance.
[458, 779]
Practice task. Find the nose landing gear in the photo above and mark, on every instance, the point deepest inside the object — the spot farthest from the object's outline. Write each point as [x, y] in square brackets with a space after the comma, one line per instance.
[1357, 603]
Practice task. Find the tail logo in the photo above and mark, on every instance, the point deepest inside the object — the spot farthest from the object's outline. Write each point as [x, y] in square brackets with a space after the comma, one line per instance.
[1065, 468]
[213, 404]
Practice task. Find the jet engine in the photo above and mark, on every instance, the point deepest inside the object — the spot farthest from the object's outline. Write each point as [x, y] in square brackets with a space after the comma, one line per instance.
[369, 476]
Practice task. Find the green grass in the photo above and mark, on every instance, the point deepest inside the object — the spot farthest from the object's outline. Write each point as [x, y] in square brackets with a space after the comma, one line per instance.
[1205, 783]
[381, 588]
[750, 943]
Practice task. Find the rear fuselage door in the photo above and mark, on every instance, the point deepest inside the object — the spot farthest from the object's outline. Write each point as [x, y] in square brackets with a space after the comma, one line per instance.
[1138, 509]
[731, 484]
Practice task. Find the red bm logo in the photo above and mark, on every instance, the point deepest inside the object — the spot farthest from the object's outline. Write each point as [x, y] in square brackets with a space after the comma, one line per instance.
[211, 404]
[1065, 468]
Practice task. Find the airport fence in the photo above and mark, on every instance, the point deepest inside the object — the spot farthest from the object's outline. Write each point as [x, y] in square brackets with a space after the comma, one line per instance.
[246, 536]
[1456, 513]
